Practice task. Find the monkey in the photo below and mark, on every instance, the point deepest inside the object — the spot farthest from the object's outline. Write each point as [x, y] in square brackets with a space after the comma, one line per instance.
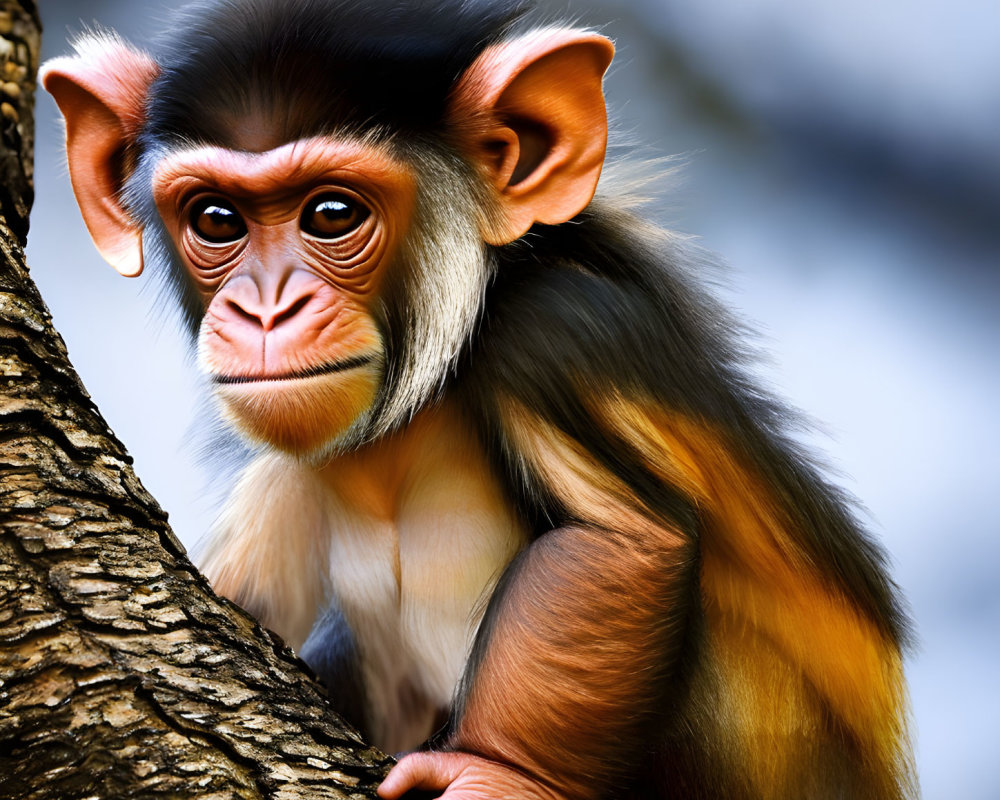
[513, 493]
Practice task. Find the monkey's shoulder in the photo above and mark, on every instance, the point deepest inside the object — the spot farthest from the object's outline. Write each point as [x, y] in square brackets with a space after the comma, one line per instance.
[565, 317]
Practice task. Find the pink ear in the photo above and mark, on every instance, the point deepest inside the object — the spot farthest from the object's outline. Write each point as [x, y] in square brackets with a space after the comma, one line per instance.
[101, 92]
[534, 119]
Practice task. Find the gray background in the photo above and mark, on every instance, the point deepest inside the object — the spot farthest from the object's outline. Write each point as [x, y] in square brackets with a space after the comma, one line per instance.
[844, 157]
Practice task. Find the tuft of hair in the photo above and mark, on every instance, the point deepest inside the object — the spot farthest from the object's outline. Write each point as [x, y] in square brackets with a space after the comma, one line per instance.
[305, 67]
[431, 307]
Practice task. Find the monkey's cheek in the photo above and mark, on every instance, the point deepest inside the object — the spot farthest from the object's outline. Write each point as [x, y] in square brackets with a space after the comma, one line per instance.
[301, 416]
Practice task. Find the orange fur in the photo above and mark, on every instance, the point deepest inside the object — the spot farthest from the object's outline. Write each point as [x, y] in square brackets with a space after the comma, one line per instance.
[582, 634]
[790, 645]
[797, 689]
[584, 619]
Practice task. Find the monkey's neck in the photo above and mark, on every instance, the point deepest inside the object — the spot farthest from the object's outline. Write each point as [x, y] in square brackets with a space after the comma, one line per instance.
[376, 479]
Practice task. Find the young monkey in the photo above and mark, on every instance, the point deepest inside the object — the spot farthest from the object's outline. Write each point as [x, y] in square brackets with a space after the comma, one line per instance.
[511, 474]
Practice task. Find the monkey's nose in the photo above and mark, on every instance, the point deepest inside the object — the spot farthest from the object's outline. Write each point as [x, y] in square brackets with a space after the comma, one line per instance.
[268, 301]
[268, 316]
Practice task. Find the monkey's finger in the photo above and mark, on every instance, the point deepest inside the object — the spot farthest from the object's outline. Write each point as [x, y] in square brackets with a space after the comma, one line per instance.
[428, 771]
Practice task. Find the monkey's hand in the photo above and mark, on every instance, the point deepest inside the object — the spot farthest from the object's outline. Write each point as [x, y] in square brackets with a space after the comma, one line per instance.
[461, 776]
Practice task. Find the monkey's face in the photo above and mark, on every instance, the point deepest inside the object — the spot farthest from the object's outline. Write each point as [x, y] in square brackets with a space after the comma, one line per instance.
[337, 290]
[289, 250]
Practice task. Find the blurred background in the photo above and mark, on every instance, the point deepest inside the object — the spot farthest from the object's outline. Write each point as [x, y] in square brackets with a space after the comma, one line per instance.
[843, 158]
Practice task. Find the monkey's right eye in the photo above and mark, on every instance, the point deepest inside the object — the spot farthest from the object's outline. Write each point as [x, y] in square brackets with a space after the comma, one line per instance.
[216, 221]
[333, 215]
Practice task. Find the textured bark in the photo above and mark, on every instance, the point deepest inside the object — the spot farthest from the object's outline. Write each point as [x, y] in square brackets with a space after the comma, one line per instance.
[121, 673]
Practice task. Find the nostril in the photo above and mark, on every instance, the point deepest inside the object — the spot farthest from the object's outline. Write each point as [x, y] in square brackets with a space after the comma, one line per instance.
[291, 311]
[266, 316]
[241, 312]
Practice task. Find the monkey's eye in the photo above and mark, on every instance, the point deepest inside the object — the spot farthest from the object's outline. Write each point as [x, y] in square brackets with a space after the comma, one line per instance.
[216, 221]
[331, 216]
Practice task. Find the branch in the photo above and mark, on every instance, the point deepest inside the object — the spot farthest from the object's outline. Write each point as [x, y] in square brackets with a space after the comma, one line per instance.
[121, 673]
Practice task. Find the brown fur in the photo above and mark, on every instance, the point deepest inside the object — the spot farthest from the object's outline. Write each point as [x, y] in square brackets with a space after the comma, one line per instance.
[796, 693]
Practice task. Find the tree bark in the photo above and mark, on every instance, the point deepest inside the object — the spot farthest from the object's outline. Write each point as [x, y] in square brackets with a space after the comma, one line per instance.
[121, 673]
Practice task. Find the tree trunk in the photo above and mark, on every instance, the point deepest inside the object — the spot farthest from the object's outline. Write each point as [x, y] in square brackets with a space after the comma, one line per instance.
[121, 673]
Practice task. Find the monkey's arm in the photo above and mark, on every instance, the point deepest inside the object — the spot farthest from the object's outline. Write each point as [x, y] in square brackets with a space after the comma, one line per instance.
[574, 657]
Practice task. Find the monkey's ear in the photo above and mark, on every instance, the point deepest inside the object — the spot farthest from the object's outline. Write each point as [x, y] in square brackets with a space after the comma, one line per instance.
[545, 134]
[101, 92]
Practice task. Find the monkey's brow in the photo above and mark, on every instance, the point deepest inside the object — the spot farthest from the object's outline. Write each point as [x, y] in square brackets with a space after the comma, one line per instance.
[272, 172]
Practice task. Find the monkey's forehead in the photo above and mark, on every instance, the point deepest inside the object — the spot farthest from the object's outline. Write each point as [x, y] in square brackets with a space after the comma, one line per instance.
[297, 68]
[285, 172]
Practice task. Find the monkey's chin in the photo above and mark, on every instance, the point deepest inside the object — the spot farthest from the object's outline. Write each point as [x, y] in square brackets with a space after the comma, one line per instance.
[308, 416]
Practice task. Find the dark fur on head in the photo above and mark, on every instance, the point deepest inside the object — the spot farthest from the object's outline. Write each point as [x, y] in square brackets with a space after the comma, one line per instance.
[305, 67]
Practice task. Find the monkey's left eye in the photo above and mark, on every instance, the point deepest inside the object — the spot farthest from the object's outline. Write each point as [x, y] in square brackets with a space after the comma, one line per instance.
[216, 221]
[331, 216]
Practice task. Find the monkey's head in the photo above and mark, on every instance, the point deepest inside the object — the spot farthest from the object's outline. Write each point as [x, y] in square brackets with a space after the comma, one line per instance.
[323, 183]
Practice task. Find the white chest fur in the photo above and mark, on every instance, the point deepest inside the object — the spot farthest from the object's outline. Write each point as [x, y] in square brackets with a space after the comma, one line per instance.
[408, 536]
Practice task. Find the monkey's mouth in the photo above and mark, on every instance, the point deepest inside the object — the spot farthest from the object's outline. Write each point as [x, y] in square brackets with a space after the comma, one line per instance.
[310, 372]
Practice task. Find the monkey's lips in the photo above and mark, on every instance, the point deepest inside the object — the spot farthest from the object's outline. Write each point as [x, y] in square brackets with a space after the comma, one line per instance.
[304, 411]
[309, 372]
